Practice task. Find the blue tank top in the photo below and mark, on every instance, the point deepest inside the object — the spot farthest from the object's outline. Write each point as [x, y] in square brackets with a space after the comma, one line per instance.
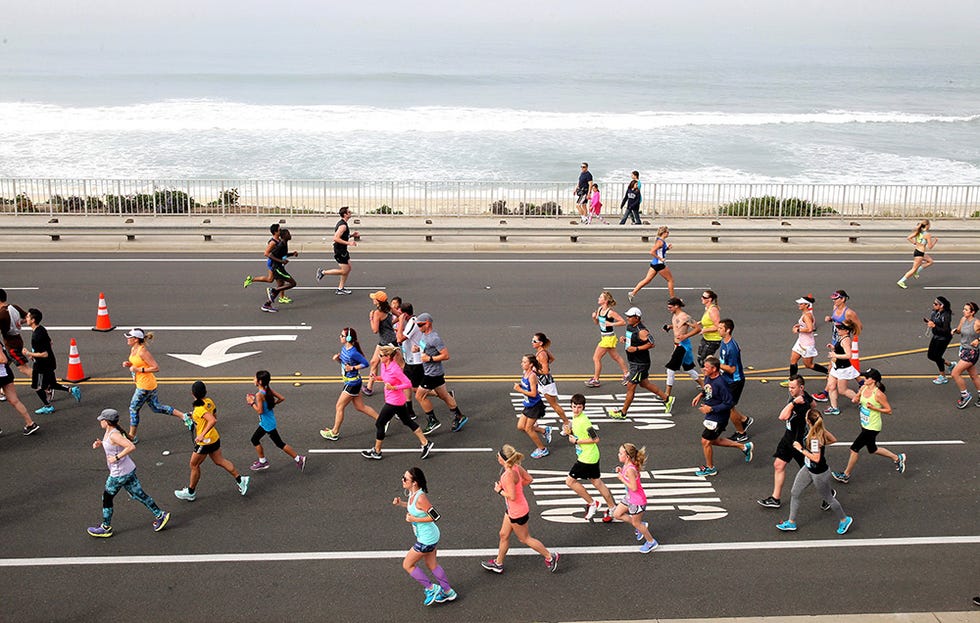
[661, 256]
[603, 318]
[526, 386]
[427, 532]
[838, 319]
[267, 419]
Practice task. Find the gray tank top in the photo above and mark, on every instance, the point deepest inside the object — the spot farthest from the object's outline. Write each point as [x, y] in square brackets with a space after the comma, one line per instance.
[968, 333]
[386, 332]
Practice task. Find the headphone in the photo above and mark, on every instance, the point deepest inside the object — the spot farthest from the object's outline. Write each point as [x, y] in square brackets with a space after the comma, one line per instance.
[348, 338]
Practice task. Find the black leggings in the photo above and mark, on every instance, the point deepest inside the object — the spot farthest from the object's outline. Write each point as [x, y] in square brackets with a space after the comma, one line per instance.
[273, 435]
[388, 412]
[937, 348]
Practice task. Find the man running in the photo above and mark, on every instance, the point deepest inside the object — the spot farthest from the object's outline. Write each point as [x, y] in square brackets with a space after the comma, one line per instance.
[269, 264]
[284, 281]
[433, 352]
[638, 346]
[343, 239]
[11, 318]
[43, 379]
[793, 416]
[715, 403]
[730, 358]
[684, 328]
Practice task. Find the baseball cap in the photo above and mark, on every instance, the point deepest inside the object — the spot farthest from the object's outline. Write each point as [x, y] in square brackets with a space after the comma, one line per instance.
[109, 415]
[423, 317]
[839, 294]
[872, 373]
[380, 295]
[634, 311]
[137, 333]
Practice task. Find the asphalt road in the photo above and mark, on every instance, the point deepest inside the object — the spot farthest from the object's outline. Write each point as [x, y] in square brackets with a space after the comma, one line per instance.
[326, 544]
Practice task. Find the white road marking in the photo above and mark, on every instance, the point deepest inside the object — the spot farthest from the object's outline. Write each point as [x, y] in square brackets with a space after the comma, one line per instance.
[25, 288]
[66, 561]
[178, 328]
[371, 288]
[395, 450]
[725, 259]
[945, 442]
[951, 288]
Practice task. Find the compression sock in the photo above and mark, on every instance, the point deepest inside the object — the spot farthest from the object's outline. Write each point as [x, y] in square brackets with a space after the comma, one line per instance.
[793, 369]
[440, 575]
[421, 577]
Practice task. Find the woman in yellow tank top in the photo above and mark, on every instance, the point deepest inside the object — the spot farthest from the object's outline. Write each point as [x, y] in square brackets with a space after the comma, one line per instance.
[142, 365]
[710, 338]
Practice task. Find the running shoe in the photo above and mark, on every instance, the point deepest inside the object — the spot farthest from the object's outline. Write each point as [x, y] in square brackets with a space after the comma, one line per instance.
[592, 383]
[900, 284]
[46, 409]
[824, 504]
[552, 563]
[243, 485]
[788, 526]
[459, 423]
[371, 454]
[962, 403]
[821, 397]
[649, 546]
[636, 533]
[426, 450]
[319, 274]
[342, 292]
[30, 430]
[770, 502]
[841, 477]
[285, 300]
[76, 392]
[161, 522]
[625, 381]
[300, 462]
[784, 383]
[940, 380]
[3, 397]
[591, 509]
[607, 517]
[845, 525]
[326, 433]
[949, 367]
[547, 435]
[50, 394]
[916, 275]
[430, 595]
[100, 531]
[270, 293]
[248, 280]
[630, 296]
[706, 471]
[749, 422]
[188, 422]
[668, 405]
[900, 464]
[738, 437]
[431, 425]
[491, 565]
[617, 415]
[185, 494]
[831, 411]
[267, 307]
[540, 453]
[367, 391]
[748, 452]
[258, 466]
[445, 596]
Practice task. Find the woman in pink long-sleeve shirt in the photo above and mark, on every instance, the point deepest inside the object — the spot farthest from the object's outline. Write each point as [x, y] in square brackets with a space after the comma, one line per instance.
[395, 403]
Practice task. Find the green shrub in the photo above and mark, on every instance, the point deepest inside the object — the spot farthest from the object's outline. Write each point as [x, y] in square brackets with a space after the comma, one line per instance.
[548, 208]
[499, 207]
[770, 205]
[385, 209]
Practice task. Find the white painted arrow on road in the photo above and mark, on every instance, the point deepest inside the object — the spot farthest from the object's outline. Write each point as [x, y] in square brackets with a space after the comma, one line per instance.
[217, 353]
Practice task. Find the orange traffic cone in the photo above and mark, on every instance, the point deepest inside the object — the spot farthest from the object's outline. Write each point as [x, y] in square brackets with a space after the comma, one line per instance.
[102, 322]
[75, 372]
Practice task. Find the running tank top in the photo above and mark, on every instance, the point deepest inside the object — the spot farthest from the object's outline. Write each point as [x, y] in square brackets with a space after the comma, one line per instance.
[638, 497]
[821, 465]
[517, 507]
[840, 364]
[426, 532]
[528, 400]
[337, 247]
[603, 318]
[661, 254]
[920, 239]
[805, 339]
[546, 379]
[838, 319]
[144, 380]
[386, 331]
[121, 467]
[15, 321]
[870, 411]
[968, 333]
[708, 329]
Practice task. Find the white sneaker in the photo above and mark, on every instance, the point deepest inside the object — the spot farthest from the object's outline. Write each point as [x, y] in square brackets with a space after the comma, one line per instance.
[592, 509]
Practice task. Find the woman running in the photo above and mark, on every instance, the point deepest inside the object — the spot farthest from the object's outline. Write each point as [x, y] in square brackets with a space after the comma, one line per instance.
[710, 338]
[841, 370]
[264, 402]
[546, 381]
[383, 323]
[923, 241]
[352, 361]
[207, 443]
[658, 265]
[940, 322]
[10, 392]
[632, 505]
[608, 320]
[510, 486]
[122, 475]
[805, 348]
[396, 404]
[874, 403]
[969, 330]
[533, 406]
[142, 366]
[423, 517]
[815, 471]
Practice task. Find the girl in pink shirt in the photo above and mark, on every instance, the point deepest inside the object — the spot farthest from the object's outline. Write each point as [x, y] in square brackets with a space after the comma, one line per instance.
[395, 403]
[632, 505]
[595, 205]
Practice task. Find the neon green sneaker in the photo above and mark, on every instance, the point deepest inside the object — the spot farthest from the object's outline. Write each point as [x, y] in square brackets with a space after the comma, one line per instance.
[284, 299]
[248, 280]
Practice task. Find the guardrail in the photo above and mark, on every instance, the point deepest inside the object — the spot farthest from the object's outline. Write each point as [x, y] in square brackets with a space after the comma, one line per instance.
[465, 198]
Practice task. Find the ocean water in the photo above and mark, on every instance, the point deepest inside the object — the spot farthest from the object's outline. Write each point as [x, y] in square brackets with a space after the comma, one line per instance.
[896, 116]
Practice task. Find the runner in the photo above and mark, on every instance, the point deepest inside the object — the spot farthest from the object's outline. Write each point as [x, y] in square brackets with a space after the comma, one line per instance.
[510, 486]
[710, 337]
[841, 370]
[284, 281]
[923, 241]
[607, 319]
[546, 381]
[533, 406]
[408, 334]
[269, 262]
[11, 319]
[207, 443]
[433, 352]
[658, 265]
[383, 323]
[793, 415]
[815, 472]
[351, 359]
[682, 357]
[730, 362]
[43, 378]
[805, 346]
[715, 403]
[264, 402]
[969, 330]
[142, 366]
[582, 192]
[122, 475]
[874, 403]
[939, 323]
[423, 518]
[395, 384]
[343, 240]
[634, 502]
[838, 315]
[585, 438]
[7, 385]
[638, 343]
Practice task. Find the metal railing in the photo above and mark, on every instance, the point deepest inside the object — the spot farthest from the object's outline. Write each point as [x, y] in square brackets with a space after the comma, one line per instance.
[467, 198]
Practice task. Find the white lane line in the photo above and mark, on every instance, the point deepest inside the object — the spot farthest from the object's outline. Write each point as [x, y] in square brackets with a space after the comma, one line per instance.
[394, 450]
[66, 561]
[728, 259]
[946, 442]
[952, 288]
[372, 288]
[303, 327]
[25, 288]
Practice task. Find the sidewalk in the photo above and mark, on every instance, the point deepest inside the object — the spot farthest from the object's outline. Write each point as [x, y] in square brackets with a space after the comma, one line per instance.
[912, 617]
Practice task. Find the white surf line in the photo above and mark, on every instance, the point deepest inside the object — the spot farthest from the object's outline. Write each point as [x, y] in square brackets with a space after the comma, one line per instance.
[947, 442]
[303, 327]
[395, 450]
[66, 561]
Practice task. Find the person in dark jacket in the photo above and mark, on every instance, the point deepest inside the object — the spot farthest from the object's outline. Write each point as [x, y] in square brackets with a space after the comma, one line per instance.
[939, 322]
[631, 201]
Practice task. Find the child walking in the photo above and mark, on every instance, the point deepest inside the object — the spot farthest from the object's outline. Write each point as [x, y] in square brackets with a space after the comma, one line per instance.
[264, 401]
[634, 503]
